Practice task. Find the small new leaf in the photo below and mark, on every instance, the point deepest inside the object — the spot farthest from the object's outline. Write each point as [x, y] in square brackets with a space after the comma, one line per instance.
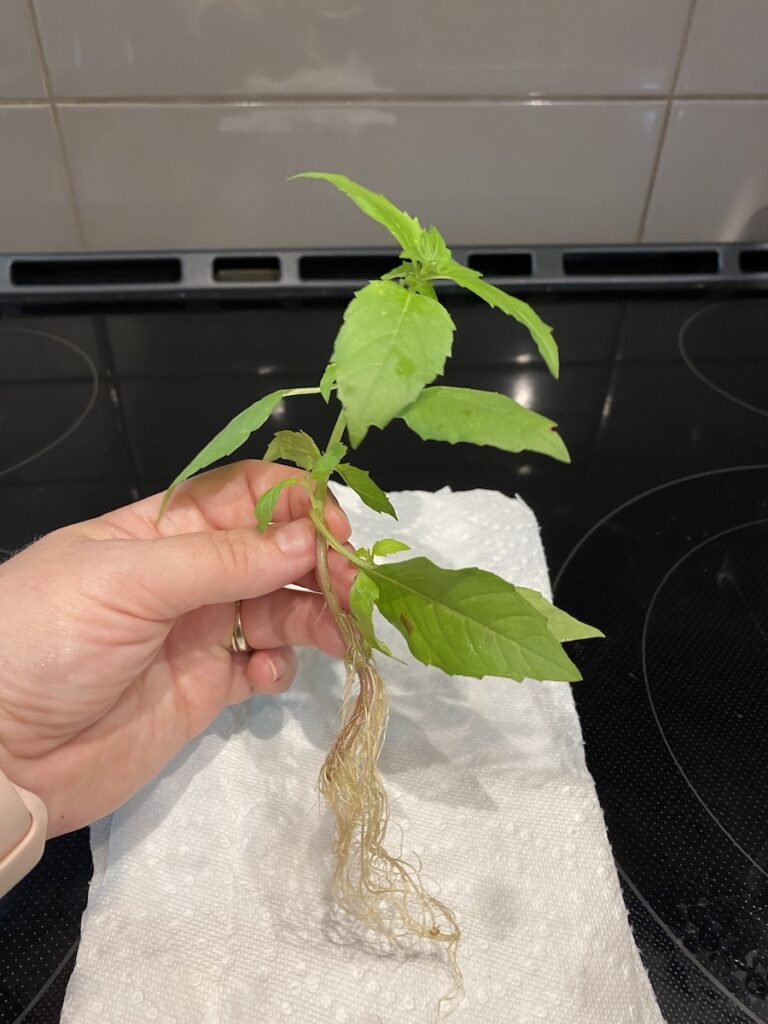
[541, 333]
[265, 506]
[328, 382]
[482, 418]
[293, 446]
[228, 440]
[433, 252]
[388, 546]
[329, 460]
[562, 626]
[405, 228]
[365, 488]
[392, 342]
[468, 622]
[423, 288]
[361, 600]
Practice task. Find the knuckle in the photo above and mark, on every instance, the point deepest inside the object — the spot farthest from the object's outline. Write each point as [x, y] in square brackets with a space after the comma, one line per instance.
[235, 551]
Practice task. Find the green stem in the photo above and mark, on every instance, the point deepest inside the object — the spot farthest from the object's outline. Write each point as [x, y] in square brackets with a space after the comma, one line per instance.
[322, 485]
[317, 518]
[326, 539]
[326, 585]
[301, 391]
[338, 430]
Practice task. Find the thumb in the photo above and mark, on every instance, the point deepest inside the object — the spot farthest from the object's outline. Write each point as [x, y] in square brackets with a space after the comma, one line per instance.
[180, 573]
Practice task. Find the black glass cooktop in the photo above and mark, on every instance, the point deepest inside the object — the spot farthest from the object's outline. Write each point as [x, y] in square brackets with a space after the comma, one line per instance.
[658, 532]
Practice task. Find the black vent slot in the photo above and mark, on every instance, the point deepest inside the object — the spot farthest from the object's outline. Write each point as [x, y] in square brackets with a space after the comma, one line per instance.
[345, 268]
[672, 263]
[246, 269]
[502, 264]
[753, 261]
[73, 273]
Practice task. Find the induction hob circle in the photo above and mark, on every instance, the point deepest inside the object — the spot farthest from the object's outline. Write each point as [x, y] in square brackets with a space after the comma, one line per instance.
[24, 347]
[716, 342]
[725, 631]
[674, 578]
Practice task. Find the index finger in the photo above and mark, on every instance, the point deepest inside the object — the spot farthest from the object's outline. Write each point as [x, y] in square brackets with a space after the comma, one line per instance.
[224, 499]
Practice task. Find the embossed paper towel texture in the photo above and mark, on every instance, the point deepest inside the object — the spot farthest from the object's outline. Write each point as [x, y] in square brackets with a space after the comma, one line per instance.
[210, 903]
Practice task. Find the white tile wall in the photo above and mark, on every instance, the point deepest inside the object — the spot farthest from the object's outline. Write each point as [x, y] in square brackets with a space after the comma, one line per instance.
[727, 49]
[110, 48]
[35, 212]
[21, 74]
[504, 121]
[213, 175]
[712, 181]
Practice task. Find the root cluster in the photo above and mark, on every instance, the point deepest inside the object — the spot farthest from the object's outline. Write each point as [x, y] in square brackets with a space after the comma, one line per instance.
[377, 888]
[382, 891]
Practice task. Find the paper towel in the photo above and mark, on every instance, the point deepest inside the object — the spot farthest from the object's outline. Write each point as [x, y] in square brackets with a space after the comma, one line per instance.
[210, 898]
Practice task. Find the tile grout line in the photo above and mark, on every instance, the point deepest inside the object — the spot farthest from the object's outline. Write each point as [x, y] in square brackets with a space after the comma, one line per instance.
[224, 100]
[714, 97]
[643, 223]
[337, 100]
[369, 99]
[70, 186]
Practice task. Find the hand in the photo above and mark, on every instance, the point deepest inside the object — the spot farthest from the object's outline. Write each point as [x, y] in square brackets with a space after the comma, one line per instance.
[116, 633]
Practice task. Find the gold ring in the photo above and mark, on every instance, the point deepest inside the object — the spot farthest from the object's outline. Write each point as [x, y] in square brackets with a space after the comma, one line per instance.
[238, 644]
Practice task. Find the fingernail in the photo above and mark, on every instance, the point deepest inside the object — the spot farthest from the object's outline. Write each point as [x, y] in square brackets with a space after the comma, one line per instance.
[277, 667]
[295, 539]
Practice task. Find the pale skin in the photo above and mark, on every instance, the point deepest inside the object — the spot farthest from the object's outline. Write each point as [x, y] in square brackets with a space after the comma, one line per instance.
[117, 631]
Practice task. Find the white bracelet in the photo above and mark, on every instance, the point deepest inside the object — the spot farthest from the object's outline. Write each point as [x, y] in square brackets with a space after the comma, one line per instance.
[23, 823]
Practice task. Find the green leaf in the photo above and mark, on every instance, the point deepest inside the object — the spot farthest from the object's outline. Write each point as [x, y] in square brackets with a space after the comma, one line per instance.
[391, 344]
[265, 506]
[329, 460]
[482, 418]
[328, 382]
[365, 488]
[388, 546]
[228, 440]
[293, 446]
[433, 251]
[521, 311]
[562, 626]
[468, 622]
[403, 270]
[361, 600]
[405, 228]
